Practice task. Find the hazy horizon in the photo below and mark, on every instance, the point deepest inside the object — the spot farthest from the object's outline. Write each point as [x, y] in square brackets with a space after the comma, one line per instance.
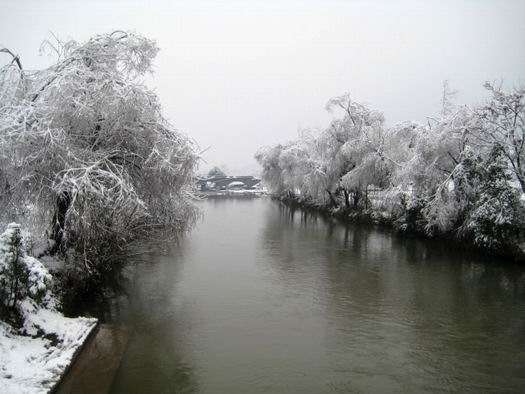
[236, 76]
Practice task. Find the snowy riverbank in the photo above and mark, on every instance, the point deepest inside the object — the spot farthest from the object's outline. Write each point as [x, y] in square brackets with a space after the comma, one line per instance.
[35, 363]
[37, 343]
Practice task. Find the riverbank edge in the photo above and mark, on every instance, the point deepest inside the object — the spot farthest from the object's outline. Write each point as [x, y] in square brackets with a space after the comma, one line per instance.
[37, 360]
[75, 356]
[98, 361]
[373, 218]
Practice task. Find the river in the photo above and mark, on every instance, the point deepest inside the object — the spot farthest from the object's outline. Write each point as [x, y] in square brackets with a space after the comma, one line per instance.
[259, 298]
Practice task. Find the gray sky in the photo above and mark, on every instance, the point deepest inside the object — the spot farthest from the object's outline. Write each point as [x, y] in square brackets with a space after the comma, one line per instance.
[238, 75]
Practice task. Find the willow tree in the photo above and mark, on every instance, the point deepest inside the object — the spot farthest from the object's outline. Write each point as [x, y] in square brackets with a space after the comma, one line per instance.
[357, 142]
[84, 146]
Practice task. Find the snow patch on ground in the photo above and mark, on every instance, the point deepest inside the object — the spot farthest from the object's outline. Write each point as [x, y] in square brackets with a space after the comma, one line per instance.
[34, 364]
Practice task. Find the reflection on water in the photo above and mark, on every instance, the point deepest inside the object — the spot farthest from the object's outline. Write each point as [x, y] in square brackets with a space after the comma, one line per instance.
[260, 298]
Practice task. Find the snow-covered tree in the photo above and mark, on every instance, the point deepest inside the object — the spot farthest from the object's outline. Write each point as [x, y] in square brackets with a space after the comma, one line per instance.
[357, 143]
[216, 171]
[448, 105]
[268, 158]
[83, 143]
[501, 121]
[497, 218]
[21, 276]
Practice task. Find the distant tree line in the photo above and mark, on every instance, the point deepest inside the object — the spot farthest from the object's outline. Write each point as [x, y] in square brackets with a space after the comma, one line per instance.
[216, 171]
[460, 175]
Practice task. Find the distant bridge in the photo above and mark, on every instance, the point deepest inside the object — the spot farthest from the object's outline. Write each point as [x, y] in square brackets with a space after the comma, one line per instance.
[222, 182]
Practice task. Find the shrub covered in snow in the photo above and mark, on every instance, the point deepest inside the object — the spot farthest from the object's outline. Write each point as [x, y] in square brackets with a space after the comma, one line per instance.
[21, 276]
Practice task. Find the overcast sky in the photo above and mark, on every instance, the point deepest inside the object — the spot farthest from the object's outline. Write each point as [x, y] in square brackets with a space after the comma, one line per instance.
[238, 75]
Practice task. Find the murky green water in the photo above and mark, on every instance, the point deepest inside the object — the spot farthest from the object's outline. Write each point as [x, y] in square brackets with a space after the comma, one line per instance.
[261, 299]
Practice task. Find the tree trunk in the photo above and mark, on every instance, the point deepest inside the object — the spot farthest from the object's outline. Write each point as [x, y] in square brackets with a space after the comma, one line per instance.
[522, 182]
[59, 221]
[356, 198]
[333, 202]
[347, 198]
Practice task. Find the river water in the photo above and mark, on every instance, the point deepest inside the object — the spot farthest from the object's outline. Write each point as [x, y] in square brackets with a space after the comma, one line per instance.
[259, 298]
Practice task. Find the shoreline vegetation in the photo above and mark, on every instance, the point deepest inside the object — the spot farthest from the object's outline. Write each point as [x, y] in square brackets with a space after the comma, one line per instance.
[459, 177]
[370, 217]
[88, 164]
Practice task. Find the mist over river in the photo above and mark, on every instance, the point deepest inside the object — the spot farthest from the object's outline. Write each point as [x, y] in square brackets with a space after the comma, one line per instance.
[259, 298]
